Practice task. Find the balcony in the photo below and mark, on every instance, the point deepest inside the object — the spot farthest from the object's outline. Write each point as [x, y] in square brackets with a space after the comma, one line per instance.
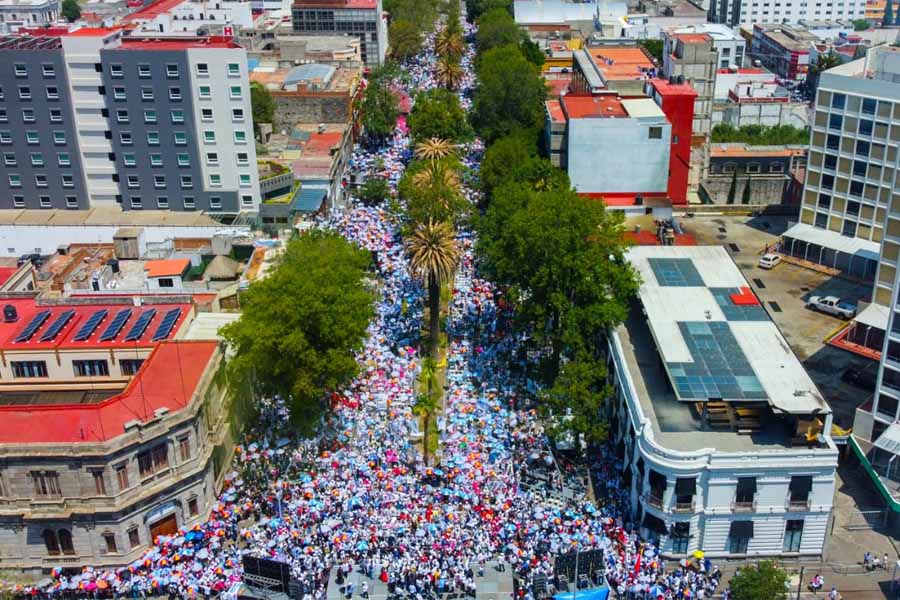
[685, 506]
[743, 506]
[798, 505]
[653, 499]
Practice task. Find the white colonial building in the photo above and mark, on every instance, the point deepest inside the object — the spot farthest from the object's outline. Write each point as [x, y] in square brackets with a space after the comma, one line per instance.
[721, 434]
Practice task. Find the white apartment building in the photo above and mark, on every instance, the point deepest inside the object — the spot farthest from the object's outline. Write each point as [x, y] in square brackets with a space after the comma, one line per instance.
[737, 12]
[723, 438]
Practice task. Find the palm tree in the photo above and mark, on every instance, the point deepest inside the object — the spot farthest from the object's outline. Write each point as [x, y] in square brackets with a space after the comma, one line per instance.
[434, 149]
[425, 406]
[449, 73]
[437, 174]
[433, 256]
[449, 43]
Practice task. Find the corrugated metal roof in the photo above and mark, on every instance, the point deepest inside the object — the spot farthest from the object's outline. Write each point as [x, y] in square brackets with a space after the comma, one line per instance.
[310, 72]
[552, 11]
[309, 200]
[889, 441]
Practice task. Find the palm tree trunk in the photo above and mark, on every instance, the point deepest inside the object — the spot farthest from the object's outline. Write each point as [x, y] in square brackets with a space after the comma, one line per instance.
[434, 308]
[426, 439]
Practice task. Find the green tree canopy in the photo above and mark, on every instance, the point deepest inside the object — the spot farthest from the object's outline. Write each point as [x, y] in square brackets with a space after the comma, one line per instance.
[509, 95]
[476, 8]
[374, 191]
[300, 326]
[496, 28]
[532, 52]
[421, 13]
[653, 47]
[861, 24]
[763, 581]
[71, 10]
[501, 158]
[575, 403]
[261, 104]
[380, 106]
[405, 39]
[760, 135]
[562, 257]
[436, 198]
[437, 113]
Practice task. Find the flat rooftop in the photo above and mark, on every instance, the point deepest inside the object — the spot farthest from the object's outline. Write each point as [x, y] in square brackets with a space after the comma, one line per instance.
[719, 347]
[621, 63]
[107, 216]
[609, 106]
[737, 149]
[790, 38]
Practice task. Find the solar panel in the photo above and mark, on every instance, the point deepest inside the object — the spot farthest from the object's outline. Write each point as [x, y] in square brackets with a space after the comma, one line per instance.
[57, 325]
[118, 322]
[675, 272]
[30, 329]
[168, 322]
[90, 325]
[140, 326]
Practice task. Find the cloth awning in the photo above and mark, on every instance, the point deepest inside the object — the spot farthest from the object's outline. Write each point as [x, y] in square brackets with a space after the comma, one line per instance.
[685, 486]
[654, 523]
[800, 484]
[889, 440]
[834, 241]
[741, 529]
[658, 480]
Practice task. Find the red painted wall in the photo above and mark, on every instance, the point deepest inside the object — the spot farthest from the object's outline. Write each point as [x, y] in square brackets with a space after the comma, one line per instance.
[678, 106]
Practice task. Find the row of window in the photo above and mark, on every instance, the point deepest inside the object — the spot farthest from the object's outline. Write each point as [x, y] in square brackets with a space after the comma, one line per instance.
[173, 71]
[738, 538]
[869, 105]
[865, 127]
[159, 181]
[51, 92]
[33, 138]
[82, 368]
[29, 116]
[235, 92]
[45, 202]
[47, 70]
[175, 116]
[130, 159]
[180, 138]
[63, 159]
[848, 228]
[752, 168]
[41, 180]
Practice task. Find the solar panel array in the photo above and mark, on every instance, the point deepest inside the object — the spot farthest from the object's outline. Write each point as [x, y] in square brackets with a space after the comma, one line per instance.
[35, 324]
[118, 322]
[676, 272]
[735, 312]
[87, 330]
[140, 326]
[168, 322]
[57, 325]
[719, 369]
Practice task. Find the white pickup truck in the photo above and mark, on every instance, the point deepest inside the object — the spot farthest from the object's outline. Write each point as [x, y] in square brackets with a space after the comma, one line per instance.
[832, 305]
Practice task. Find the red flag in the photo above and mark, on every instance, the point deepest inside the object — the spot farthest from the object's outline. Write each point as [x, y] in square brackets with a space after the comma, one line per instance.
[637, 563]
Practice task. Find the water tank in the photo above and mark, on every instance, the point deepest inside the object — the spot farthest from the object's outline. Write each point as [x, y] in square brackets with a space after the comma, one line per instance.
[681, 80]
[10, 315]
[113, 264]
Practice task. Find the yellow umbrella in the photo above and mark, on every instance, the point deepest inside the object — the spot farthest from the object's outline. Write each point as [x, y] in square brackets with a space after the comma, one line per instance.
[698, 554]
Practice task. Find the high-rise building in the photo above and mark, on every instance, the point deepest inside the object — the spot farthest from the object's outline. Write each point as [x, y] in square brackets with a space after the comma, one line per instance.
[741, 12]
[92, 118]
[361, 18]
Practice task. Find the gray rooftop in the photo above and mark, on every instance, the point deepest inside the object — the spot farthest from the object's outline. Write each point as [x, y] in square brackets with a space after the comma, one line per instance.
[313, 72]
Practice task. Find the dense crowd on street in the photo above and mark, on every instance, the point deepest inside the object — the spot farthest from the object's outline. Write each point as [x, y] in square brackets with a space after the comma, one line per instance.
[359, 507]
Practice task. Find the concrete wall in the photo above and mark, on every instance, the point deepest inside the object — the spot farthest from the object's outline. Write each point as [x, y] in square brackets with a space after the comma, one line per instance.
[765, 189]
[293, 108]
[768, 114]
[617, 155]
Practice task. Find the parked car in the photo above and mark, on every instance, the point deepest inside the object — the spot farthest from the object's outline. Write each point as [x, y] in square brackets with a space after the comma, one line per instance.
[862, 378]
[768, 261]
[832, 305]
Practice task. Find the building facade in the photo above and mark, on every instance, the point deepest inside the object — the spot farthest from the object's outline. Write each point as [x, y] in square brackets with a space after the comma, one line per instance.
[364, 19]
[134, 122]
[693, 57]
[15, 14]
[741, 12]
[702, 474]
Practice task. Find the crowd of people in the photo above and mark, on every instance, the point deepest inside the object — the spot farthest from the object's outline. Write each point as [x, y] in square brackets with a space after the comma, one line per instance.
[359, 508]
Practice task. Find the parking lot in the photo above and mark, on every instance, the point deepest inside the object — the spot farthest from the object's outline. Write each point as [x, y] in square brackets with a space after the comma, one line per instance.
[784, 291]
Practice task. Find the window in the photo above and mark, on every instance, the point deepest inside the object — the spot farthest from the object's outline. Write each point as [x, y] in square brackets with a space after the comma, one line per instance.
[162, 202]
[887, 406]
[243, 158]
[799, 490]
[246, 200]
[240, 137]
[122, 476]
[655, 133]
[188, 201]
[21, 70]
[27, 115]
[99, 483]
[865, 127]
[234, 91]
[65, 542]
[776, 167]
[125, 138]
[209, 137]
[822, 220]
[19, 201]
[52, 92]
[215, 180]
[55, 115]
[130, 366]
[137, 203]
[178, 116]
[143, 70]
[852, 207]
[9, 159]
[193, 509]
[72, 202]
[215, 203]
[237, 114]
[4, 118]
[739, 536]
[244, 180]
[234, 69]
[5, 137]
[134, 538]
[202, 69]
[51, 542]
[849, 228]
[868, 106]
[793, 532]
[15, 180]
[153, 138]
[180, 138]
[681, 536]
[119, 93]
[32, 137]
[46, 484]
[753, 167]
[856, 188]
[37, 159]
[122, 116]
[206, 114]
[24, 92]
[184, 160]
[40, 180]
[159, 181]
[824, 201]
[171, 70]
[184, 447]
[133, 181]
[109, 539]
[838, 101]
[745, 492]
[186, 183]
[833, 142]
[175, 93]
[29, 368]
[115, 70]
[212, 158]
[835, 121]
[129, 159]
[90, 368]
[59, 138]
[153, 460]
[828, 182]
[859, 168]
[149, 116]
[45, 202]
[204, 91]
[156, 160]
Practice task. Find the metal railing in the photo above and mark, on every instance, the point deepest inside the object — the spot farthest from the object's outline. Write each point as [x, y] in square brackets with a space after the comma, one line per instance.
[743, 506]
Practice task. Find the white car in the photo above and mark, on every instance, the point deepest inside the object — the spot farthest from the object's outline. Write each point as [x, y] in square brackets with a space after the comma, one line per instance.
[832, 305]
[768, 261]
